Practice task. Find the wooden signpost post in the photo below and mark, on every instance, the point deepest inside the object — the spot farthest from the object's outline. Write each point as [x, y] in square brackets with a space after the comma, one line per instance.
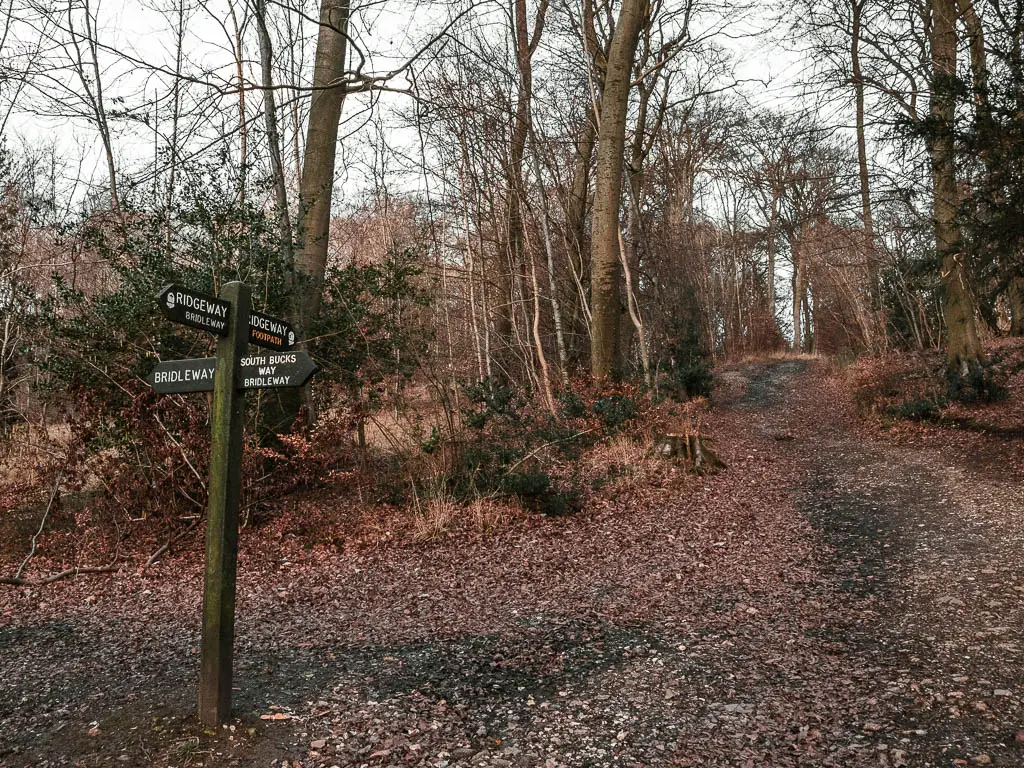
[225, 487]
[227, 375]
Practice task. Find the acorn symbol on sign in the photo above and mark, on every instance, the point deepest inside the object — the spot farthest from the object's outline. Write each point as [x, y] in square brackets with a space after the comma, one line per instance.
[291, 338]
[170, 300]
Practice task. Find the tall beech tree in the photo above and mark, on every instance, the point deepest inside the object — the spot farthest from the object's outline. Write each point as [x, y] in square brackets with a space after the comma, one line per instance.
[607, 306]
[963, 347]
[317, 183]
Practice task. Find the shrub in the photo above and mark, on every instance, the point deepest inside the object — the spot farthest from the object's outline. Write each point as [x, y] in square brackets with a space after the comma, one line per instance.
[369, 327]
[572, 405]
[917, 409]
[691, 380]
[134, 455]
[686, 374]
[490, 399]
[893, 384]
[983, 382]
[614, 410]
[919, 387]
[510, 446]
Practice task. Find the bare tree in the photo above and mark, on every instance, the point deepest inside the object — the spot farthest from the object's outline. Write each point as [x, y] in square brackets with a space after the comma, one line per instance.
[86, 65]
[606, 267]
[963, 346]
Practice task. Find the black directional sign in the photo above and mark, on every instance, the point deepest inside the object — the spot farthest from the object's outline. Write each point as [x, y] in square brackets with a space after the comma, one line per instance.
[270, 332]
[199, 310]
[281, 369]
[176, 376]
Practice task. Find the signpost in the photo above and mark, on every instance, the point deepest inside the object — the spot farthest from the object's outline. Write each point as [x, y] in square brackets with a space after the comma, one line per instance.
[199, 310]
[227, 375]
[177, 376]
[270, 332]
[285, 369]
[225, 488]
[282, 369]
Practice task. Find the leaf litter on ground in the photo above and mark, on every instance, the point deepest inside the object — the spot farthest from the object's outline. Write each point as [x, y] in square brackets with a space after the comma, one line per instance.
[796, 609]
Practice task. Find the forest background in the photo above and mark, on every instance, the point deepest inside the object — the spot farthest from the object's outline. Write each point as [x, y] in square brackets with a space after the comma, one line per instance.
[506, 232]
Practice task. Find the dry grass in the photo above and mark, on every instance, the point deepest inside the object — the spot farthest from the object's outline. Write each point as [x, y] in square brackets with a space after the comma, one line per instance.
[760, 357]
[492, 514]
[439, 517]
[433, 519]
[885, 382]
[624, 462]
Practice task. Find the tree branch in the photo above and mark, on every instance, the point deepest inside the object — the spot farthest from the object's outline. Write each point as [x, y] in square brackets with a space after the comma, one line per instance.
[42, 525]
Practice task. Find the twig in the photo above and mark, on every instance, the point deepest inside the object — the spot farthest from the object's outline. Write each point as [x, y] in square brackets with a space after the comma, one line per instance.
[108, 377]
[42, 524]
[18, 582]
[113, 495]
[181, 449]
[167, 545]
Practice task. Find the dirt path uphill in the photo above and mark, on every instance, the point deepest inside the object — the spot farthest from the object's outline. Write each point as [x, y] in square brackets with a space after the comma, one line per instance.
[929, 552]
[829, 600]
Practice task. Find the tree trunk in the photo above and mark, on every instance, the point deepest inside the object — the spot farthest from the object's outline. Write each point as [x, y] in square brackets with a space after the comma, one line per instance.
[808, 322]
[628, 257]
[317, 183]
[962, 344]
[243, 124]
[94, 94]
[799, 294]
[772, 234]
[545, 371]
[575, 235]
[628, 243]
[987, 130]
[856, 8]
[1016, 297]
[464, 190]
[279, 407]
[605, 266]
[556, 305]
[578, 195]
[525, 44]
[284, 223]
[175, 109]
[979, 68]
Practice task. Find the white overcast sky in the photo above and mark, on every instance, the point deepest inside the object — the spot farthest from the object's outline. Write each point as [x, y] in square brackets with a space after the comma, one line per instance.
[137, 28]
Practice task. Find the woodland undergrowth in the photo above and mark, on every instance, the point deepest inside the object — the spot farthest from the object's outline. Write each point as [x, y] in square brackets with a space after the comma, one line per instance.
[912, 397]
[111, 493]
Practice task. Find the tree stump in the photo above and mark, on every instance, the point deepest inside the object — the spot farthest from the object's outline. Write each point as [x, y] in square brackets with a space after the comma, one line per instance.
[692, 448]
